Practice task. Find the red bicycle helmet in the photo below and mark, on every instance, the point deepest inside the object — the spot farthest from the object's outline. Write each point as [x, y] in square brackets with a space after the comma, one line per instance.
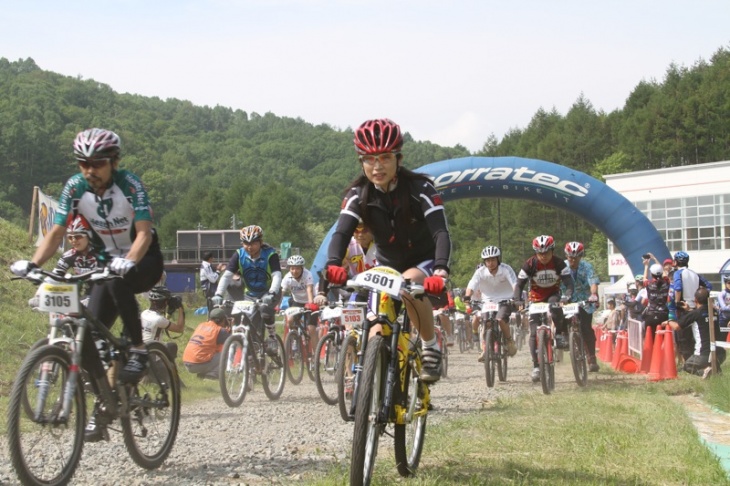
[543, 244]
[78, 225]
[574, 249]
[378, 137]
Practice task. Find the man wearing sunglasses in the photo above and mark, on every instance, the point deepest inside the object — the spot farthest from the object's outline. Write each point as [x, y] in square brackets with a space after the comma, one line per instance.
[115, 204]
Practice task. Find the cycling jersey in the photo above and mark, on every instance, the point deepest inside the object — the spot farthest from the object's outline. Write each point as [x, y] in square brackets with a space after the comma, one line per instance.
[400, 246]
[297, 287]
[544, 279]
[112, 216]
[499, 286]
[78, 262]
[255, 274]
[152, 325]
[357, 260]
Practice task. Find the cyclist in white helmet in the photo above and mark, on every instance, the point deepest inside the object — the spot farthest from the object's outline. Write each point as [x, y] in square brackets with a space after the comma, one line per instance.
[299, 283]
[495, 281]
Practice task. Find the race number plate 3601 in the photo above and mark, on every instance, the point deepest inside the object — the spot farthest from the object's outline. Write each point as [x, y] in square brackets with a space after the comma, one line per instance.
[61, 298]
[384, 279]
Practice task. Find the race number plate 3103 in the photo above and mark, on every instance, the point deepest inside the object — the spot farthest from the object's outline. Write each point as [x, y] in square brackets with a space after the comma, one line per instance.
[384, 279]
[61, 298]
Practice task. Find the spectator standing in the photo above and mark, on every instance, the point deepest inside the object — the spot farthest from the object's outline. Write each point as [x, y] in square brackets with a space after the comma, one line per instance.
[657, 296]
[209, 277]
[723, 302]
[699, 362]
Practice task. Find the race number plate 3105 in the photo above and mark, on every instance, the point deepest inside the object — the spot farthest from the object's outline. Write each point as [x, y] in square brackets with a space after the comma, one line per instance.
[61, 298]
[384, 279]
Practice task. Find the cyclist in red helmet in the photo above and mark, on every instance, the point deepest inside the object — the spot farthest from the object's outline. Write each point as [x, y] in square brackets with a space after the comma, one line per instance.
[586, 283]
[408, 223]
[545, 272]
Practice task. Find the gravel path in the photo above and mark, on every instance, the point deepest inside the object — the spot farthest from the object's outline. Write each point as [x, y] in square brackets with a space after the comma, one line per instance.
[280, 442]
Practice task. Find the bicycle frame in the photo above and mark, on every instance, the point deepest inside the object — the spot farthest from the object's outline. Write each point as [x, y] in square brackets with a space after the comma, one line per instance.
[381, 304]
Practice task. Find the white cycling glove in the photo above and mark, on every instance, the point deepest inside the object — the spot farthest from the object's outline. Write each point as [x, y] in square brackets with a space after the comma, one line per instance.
[121, 266]
[21, 268]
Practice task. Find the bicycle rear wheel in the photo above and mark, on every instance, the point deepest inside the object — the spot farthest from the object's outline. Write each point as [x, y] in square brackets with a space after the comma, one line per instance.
[445, 361]
[368, 428]
[274, 376]
[409, 438]
[151, 427]
[294, 358]
[578, 358]
[547, 370]
[43, 448]
[233, 371]
[346, 377]
[490, 358]
[325, 367]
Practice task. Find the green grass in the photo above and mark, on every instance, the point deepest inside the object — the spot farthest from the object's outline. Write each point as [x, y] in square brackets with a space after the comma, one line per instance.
[612, 434]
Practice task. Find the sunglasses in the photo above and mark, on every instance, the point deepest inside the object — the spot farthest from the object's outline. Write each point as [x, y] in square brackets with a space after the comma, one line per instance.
[93, 163]
[384, 159]
[75, 237]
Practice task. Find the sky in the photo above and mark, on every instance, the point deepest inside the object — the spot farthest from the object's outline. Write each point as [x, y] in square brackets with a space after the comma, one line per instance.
[448, 71]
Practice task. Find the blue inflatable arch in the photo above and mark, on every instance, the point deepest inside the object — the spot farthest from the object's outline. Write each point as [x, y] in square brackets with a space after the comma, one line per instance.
[537, 180]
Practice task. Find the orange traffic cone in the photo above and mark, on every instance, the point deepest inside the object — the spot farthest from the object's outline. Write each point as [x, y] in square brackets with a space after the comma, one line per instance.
[609, 346]
[669, 362]
[602, 346]
[655, 371]
[620, 338]
[646, 351]
[628, 364]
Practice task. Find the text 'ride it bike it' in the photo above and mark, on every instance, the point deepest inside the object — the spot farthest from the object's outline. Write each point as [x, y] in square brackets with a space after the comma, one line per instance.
[76, 369]
[388, 397]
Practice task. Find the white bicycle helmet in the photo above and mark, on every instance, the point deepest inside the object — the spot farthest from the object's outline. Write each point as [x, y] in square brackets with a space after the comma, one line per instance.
[492, 252]
[251, 233]
[656, 270]
[96, 143]
[295, 261]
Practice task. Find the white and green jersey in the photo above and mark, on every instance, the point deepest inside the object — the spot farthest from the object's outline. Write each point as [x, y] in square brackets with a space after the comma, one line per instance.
[111, 216]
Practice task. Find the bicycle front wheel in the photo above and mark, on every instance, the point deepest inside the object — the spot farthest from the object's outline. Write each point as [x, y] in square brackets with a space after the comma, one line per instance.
[578, 358]
[274, 368]
[368, 427]
[502, 362]
[325, 368]
[409, 438]
[490, 357]
[547, 370]
[346, 378]
[44, 447]
[294, 358]
[233, 371]
[150, 428]
[462, 338]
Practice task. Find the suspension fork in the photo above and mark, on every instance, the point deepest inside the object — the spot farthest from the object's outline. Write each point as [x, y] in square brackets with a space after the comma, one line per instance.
[392, 373]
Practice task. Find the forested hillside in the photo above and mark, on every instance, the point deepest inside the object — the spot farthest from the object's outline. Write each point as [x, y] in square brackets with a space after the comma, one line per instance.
[202, 165]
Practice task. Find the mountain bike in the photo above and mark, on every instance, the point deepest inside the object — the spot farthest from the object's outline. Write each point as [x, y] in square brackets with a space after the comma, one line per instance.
[518, 328]
[545, 345]
[578, 355]
[46, 444]
[460, 323]
[297, 345]
[441, 340]
[327, 352]
[495, 344]
[388, 391]
[246, 354]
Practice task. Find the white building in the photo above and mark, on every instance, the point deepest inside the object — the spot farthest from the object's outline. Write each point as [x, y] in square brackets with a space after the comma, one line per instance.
[689, 206]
